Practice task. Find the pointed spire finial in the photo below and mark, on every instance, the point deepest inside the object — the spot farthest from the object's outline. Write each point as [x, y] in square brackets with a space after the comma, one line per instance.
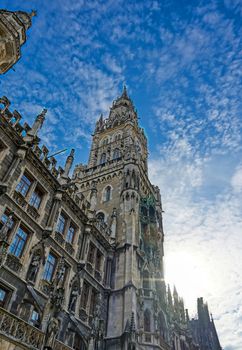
[33, 13]
[124, 93]
[68, 164]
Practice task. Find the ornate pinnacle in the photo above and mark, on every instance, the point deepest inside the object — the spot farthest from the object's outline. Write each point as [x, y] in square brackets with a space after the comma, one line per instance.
[124, 94]
[68, 165]
[33, 13]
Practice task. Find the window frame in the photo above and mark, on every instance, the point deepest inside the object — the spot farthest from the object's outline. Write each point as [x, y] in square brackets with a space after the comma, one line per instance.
[22, 241]
[93, 247]
[39, 194]
[22, 184]
[103, 158]
[53, 267]
[72, 235]
[32, 321]
[85, 296]
[62, 214]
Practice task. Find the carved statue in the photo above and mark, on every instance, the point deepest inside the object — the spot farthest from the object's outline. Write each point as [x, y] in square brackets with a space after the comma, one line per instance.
[34, 266]
[52, 329]
[5, 228]
[73, 298]
[60, 275]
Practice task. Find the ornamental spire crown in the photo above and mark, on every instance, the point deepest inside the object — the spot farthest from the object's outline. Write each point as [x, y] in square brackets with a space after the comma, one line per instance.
[122, 111]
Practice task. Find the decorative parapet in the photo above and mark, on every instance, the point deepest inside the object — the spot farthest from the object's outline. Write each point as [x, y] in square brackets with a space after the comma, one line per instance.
[103, 228]
[20, 331]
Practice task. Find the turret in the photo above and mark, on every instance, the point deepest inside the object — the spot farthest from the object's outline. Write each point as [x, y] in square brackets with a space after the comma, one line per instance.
[13, 27]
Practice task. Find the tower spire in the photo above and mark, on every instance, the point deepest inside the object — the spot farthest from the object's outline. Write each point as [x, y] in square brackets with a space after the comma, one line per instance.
[124, 93]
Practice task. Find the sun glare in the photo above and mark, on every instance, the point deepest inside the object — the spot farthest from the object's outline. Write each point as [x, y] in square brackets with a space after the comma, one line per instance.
[187, 271]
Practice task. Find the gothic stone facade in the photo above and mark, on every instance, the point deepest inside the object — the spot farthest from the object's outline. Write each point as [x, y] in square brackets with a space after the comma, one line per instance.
[81, 257]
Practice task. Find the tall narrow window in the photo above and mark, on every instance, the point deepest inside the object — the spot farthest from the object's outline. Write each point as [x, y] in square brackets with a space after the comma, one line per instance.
[146, 280]
[108, 194]
[70, 234]
[147, 327]
[61, 224]
[103, 158]
[49, 268]
[85, 294]
[116, 153]
[4, 296]
[17, 246]
[98, 261]
[91, 253]
[34, 319]
[24, 185]
[36, 198]
[93, 302]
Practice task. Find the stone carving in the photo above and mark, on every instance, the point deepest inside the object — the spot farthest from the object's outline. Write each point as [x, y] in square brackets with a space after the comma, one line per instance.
[5, 228]
[13, 263]
[73, 298]
[34, 266]
[52, 329]
[60, 275]
[11, 325]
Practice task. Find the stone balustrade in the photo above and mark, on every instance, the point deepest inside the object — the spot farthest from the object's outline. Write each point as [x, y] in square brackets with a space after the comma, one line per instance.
[20, 331]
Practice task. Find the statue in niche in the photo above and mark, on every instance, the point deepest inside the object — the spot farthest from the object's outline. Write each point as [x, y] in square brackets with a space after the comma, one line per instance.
[52, 329]
[73, 298]
[59, 280]
[34, 266]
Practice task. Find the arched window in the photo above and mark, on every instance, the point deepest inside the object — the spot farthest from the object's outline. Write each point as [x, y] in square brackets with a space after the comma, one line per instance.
[147, 327]
[116, 153]
[103, 158]
[104, 142]
[107, 194]
[100, 216]
[117, 137]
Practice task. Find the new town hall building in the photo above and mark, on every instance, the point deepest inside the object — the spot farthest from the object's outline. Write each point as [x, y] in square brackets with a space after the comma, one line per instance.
[81, 256]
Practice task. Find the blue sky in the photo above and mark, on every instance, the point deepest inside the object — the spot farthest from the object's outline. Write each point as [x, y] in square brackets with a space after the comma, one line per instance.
[181, 61]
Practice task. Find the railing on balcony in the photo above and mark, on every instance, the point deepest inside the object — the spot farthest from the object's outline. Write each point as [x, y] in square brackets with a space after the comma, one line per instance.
[20, 331]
